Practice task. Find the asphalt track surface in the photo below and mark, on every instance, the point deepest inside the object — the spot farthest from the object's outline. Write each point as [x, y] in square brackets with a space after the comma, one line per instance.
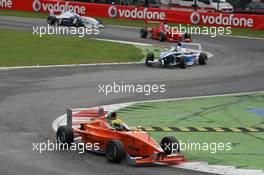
[30, 99]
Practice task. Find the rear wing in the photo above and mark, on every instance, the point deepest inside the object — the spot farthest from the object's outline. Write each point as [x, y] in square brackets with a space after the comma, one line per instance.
[69, 118]
[100, 112]
[148, 22]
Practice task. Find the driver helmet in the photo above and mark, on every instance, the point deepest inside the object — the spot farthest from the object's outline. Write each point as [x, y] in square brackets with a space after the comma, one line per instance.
[118, 124]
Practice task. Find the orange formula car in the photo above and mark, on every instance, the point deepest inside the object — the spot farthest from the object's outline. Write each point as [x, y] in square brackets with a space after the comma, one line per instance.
[117, 140]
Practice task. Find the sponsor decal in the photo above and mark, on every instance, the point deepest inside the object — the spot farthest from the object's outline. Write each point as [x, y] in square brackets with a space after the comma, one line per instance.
[112, 11]
[36, 5]
[195, 18]
[6, 3]
[135, 13]
[58, 7]
[224, 20]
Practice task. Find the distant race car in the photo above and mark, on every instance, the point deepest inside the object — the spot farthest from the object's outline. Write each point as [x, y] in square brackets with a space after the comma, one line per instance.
[117, 140]
[178, 55]
[163, 32]
[71, 18]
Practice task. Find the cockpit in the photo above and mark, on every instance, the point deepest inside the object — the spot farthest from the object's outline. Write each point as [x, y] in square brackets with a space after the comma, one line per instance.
[116, 123]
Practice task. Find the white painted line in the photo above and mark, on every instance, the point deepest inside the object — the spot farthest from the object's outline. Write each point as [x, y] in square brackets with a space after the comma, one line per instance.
[217, 169]
[125, 42]
[68, 65]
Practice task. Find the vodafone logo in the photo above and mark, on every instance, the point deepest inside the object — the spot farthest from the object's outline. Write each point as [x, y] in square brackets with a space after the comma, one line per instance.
[36, 6]
[6, 3]
[195, 18]
[224, 20]
[112, 11]
[135, 13]
[58, 7]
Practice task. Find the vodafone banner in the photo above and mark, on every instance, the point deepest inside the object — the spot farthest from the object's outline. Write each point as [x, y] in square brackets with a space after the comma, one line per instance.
[137, 13]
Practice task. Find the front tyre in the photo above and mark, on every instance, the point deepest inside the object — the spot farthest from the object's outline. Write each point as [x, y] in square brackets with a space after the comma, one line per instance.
[51, 20]
[170, 145]
[149, 59]
[203, 58]
[115, 151]
[183, 63]
[65, 134]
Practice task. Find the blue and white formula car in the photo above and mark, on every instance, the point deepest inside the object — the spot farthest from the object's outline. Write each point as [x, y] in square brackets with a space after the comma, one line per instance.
[71, 18]
[179, 55]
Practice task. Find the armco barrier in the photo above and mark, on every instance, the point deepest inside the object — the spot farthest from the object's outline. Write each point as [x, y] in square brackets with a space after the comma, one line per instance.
[138, 13]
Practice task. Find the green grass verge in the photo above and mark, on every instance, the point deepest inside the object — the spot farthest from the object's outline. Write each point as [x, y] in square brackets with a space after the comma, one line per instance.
[19, 48]
[232, 111]
[133, 23]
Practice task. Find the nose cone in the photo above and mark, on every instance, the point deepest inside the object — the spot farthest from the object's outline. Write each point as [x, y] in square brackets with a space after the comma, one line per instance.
[152, 144]
[147, 143]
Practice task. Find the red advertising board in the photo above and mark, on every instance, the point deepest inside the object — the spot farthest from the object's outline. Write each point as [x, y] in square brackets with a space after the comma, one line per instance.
[138, 13]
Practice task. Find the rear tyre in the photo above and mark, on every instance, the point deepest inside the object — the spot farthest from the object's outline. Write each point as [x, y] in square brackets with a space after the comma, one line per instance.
[51, 20]
[170, 145]
[150, 58]
[65, 134]
[162, 37]
[203, 59]
[143, 33]
[183, 63]
[115, 151]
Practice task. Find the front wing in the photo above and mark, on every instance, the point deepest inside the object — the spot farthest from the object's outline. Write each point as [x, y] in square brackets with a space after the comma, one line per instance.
[168, 159]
